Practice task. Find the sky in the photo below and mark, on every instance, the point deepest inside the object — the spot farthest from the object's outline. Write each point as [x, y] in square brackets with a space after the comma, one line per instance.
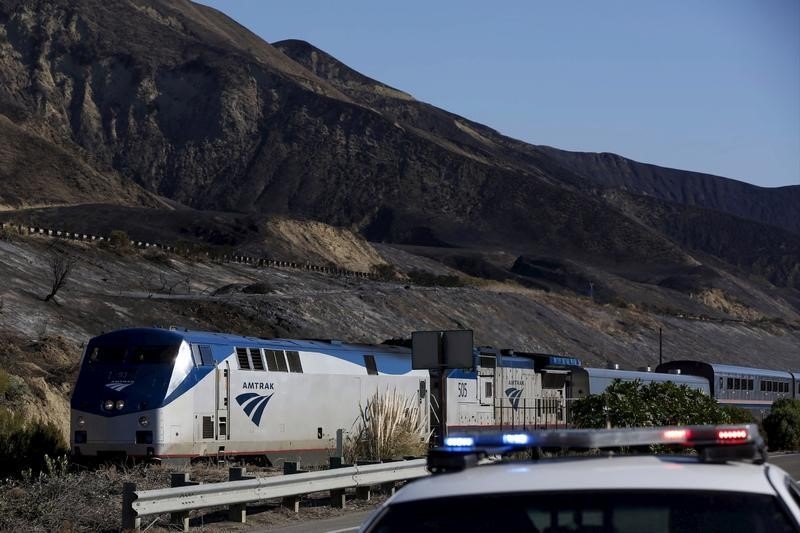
[711, 86]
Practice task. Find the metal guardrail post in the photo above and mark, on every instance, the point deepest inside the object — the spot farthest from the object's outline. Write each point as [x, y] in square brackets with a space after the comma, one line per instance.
[237, 512]
[293, 502]
[180, 517]
[130, 520]
[340, 442]
[338, 498]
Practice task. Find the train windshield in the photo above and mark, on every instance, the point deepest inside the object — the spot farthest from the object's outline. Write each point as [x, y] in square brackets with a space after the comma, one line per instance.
[132, 355]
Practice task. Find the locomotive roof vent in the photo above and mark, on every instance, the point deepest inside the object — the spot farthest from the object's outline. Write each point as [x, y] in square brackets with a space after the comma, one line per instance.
[612, 366]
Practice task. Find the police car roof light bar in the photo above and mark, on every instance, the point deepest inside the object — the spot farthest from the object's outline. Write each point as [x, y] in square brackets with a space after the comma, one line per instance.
[715, 443]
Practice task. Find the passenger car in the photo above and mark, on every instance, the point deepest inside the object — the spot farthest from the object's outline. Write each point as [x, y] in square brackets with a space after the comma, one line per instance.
[726, 486]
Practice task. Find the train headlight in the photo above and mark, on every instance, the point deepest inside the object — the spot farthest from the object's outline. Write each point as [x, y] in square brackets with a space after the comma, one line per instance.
[119, 405]
[80, 421]
[108, 405]
[144, 421]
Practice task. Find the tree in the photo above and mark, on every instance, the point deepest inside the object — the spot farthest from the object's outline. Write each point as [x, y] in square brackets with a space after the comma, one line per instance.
[782, 425]
[634, 404]
[61, 265]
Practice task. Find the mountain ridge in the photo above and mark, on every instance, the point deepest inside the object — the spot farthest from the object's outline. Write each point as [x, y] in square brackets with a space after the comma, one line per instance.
[217, 119]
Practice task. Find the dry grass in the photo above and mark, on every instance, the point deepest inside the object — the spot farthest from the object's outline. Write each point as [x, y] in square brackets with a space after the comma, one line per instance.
[70, 498]
[719, 300]
[391, 426]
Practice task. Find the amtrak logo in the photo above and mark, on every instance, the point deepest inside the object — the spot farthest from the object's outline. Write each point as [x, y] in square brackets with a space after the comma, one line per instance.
[118, 385]
[513, 396]
[253, 405]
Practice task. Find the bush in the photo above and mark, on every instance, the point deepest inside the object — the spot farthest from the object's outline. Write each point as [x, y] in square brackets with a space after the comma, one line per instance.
[7, 233]
[782, 425]
[634, 404]
[738, 415]
[429, 279]
[261, 287]
[385, 271]
[119, 240]
[27, 447]
[389, 427]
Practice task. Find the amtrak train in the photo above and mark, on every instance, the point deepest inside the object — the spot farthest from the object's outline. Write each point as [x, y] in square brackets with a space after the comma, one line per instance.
[172, 394]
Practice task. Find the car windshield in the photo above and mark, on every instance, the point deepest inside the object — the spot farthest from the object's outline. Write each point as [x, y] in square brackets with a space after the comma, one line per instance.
[595, 512]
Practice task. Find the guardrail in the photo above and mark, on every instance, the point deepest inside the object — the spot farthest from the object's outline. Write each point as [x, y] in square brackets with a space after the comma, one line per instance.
[234, 257]
[185, 496]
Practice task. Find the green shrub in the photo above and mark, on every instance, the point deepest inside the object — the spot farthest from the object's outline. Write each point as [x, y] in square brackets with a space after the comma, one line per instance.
[738, 415]
[28, 447]
[119, 240]
[17, 388]
[634, 404]
[7, 233]
[782, 425]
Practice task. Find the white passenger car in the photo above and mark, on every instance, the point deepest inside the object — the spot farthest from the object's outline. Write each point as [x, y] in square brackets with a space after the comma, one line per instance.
[727, 486]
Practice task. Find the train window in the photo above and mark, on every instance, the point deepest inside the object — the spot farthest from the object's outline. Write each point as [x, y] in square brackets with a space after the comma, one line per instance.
[272, 360]
[488, 391]
[205, 354]
[196, 355]
[737, 384]
[153, 355]
[201, 353]
[294, 361]
[730, 383]
[769, 386]
[280, 358]
[763, 386]
[372, 368]
[750, 385]
[241, 355]
[720, 383]
[255, 356]
[109, 355]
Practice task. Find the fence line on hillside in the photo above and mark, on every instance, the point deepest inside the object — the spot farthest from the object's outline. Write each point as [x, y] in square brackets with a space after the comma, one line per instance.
[223, 258]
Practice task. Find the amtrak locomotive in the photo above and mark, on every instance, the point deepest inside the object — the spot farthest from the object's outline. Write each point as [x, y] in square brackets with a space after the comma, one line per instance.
[183, 394]
[177, 395]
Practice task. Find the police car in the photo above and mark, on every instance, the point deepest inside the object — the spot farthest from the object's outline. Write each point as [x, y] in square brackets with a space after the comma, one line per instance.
[727, 485]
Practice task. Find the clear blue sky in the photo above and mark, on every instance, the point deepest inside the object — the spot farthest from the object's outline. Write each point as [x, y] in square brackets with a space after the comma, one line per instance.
[711, 86]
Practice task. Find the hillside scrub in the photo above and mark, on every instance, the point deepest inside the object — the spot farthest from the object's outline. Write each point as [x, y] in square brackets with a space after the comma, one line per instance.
[63, 500]
[27, 446]
[634, 404]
